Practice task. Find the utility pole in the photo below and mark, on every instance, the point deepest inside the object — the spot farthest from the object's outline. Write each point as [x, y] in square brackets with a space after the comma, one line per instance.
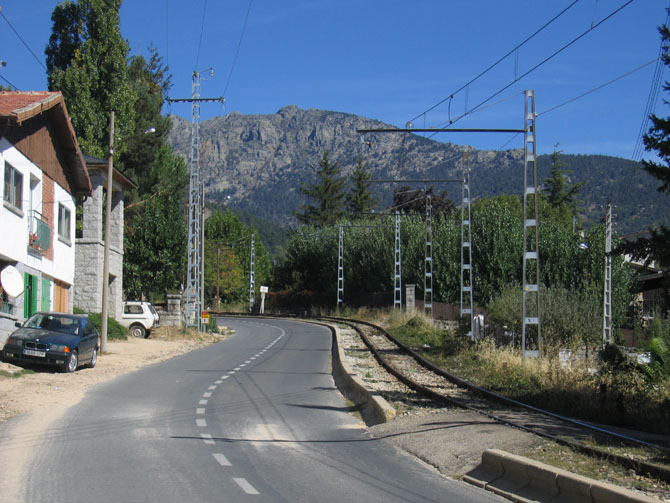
[428, 262]
[218, 278]
[108, 240]
[607, 297]
[467, 306]
[252, 273]
[195, 264]
[397, 277]
[531, 252]
[340, 267]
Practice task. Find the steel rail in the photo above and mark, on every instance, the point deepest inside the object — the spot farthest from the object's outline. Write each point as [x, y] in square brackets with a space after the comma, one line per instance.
[639, 466]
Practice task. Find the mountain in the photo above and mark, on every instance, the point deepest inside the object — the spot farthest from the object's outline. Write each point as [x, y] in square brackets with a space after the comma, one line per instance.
[256, 164]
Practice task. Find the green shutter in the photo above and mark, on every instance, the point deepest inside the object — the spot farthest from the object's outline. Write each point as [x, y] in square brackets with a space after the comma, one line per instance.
[46, 295]
[30, 295]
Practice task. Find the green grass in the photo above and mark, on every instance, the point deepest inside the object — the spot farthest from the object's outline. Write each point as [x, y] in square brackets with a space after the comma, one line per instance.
[15, 375]
[589, 390]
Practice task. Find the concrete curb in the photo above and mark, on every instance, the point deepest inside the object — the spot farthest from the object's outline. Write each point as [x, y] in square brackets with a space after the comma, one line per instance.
[525, 480]
[374, 408]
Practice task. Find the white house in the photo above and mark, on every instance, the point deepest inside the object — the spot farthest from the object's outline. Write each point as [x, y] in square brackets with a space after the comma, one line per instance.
[43, 172]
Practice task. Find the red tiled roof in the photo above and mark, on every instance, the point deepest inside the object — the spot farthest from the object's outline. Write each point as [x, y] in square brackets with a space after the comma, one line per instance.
[20, 105]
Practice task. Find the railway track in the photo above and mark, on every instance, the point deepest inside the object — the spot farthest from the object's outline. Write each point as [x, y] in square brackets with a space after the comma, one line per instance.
[438, 385]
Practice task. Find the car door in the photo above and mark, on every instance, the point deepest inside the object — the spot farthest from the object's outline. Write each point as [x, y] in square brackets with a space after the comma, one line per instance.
[89, 338]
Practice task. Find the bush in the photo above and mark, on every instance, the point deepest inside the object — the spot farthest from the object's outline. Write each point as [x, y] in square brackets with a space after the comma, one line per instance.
[115, 331]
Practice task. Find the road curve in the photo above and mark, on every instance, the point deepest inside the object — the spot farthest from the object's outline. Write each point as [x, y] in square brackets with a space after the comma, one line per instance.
[256, 417]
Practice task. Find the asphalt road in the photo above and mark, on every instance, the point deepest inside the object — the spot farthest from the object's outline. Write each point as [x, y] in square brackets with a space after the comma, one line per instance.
[254, 418]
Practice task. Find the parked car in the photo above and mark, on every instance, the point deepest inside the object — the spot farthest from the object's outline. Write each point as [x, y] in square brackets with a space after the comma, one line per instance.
[140, 318]
[63, 340]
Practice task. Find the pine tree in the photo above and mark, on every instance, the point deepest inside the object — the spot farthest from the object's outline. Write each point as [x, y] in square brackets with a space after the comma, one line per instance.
[360, 200]
[327, 194]
[560, 194]
[656, 247]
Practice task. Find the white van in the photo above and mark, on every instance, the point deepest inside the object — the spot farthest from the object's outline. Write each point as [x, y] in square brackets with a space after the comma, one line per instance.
[140, 318]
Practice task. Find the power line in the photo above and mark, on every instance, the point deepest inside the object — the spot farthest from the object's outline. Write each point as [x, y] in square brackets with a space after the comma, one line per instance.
[202, 28]
[22, 41]
[598, 88]
[239, 44]
[545, 60]
[8, 82]
[450, 97]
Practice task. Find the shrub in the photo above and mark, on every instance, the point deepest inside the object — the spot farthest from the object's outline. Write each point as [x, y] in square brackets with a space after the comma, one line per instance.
[115, 331]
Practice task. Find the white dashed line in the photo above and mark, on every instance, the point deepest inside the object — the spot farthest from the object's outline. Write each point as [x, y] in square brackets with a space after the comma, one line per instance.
[231, 372]
[246, 486]
[200, 410]
[207, 438]
[201, 423]
[203, 402]
[247, 362]
[218, 382]
[207, 394]
[225, 377]
[237, 368]
[223, 461]
[212, 387]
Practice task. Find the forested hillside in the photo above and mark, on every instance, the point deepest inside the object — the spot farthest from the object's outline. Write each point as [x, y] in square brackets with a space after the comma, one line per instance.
[256, 163]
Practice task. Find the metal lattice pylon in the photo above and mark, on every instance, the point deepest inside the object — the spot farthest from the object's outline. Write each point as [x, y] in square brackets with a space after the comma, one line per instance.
[467, 307]
[607, 297]
[193, 304]
[428, 264]
[340, 267]
[252, 273]
[397, 276]
[531, 251]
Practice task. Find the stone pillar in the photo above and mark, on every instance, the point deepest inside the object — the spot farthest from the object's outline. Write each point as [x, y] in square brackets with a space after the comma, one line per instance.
[92, 221]
[410, 297]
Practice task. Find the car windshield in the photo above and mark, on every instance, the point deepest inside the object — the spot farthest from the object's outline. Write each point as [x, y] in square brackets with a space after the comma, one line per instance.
[63, 324]
[153, 310]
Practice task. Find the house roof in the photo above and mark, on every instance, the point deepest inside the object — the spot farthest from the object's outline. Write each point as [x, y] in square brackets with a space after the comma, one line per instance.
[93, 163]
[17, 107]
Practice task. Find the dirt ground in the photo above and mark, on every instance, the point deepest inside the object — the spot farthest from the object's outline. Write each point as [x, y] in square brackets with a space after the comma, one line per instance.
[46, 389]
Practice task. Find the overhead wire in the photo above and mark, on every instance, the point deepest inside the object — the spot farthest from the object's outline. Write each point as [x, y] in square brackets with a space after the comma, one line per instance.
[239, 44]
[545, 60]
[202, 29]
[582, 95]
[8, 82]
[22, 41]
[501, 59]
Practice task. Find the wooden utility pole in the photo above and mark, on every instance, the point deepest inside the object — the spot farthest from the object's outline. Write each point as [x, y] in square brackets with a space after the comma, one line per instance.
[108, 219]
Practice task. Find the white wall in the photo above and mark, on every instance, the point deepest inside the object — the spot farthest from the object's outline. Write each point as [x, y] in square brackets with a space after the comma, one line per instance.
[13, 227]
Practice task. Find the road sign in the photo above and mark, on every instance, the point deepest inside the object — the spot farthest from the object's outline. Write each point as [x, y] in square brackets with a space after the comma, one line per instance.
[204, 317]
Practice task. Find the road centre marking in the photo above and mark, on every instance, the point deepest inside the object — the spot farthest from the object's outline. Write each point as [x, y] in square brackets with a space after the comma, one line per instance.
[218, 382]
[223, 461]
[212, 387]
[207, 438]
[246, 486]
[231, 372]
[203, 402]
[225, 377]
[201, 423]
[207, 394]
[200, 410]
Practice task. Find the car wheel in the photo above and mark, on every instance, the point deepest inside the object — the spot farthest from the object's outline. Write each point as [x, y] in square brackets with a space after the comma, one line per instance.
[72, 363]
[138, 331]
[94, 359]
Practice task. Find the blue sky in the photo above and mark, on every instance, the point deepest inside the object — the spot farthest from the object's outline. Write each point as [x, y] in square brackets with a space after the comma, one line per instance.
[392, 60]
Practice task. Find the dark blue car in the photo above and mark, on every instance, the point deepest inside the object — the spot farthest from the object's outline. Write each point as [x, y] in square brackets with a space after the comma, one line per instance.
[63, 340]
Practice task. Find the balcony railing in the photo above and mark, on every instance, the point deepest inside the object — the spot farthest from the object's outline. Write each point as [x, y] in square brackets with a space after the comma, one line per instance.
[39, 233]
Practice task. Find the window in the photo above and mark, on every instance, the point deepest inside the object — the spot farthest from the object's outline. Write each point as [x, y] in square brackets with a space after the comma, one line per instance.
[13, 186]
[64, 226]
